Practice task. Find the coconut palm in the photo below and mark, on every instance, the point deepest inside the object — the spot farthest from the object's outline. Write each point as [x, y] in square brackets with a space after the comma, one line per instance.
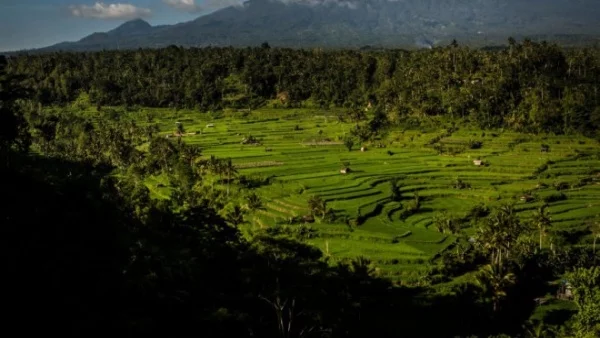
[538, 330]
[500, 232]
[215, 168]
[317, 206]
[180, 128]
[236, 216]
[542, 221]
[190, 154]
[230, 170]
[254, 202]
[596, 233]
[495, 279]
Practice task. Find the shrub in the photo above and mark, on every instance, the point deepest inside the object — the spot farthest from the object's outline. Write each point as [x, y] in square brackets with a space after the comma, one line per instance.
[478, 211]
[460, 184]
[544, 148]
[474, 144]
[555, 198]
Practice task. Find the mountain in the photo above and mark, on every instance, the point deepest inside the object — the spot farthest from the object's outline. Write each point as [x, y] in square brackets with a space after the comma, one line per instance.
[354, 23]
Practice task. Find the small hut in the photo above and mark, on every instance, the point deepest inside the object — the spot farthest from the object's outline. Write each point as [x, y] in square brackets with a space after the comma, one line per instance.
[345, 170]
[565, 291]
[363, 149]
[478, 163]
[283, 97]
[526, 198]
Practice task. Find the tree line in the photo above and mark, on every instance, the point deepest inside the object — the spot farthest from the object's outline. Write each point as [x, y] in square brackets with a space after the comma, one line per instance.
[527, 86]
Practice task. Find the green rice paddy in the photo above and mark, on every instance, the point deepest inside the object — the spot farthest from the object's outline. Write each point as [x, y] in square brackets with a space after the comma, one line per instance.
[302, 153]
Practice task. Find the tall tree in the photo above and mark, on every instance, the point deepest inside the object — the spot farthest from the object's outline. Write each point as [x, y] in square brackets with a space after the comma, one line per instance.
[542, 221]
[495, 280]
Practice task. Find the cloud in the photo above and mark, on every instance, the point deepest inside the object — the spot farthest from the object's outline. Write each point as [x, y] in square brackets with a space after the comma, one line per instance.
[101, 10]
[193, 6]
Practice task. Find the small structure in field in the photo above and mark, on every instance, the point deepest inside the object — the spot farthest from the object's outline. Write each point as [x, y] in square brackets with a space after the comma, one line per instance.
[478, 163]
[210, 125]
[363, 149]
[526, 198]
[308, 219]
[283, 97]
[345, 170]
[565, 291]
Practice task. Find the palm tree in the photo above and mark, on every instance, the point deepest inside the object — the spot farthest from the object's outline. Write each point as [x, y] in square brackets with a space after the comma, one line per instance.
[254, 203]
[190, 153]
[542, 221]
[236, 216]
[230, 170]
[317, 206]
[495, 279]
[214, 166]
[596, 233]
[537, 329]
[500, 232]
[180, 129]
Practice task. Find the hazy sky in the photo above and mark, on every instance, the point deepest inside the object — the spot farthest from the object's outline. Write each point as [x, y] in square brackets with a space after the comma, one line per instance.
[38, 23]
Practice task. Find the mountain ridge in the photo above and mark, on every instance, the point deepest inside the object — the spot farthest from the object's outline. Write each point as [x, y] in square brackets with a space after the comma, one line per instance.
[348, 23]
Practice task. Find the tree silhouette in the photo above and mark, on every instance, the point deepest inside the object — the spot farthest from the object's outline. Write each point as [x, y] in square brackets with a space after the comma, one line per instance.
[235, 216]
[595, 228]
[230, 170]
[542, 221]
[254, 203]
[180, 129]
[349, 143]
[317, 206]
[495, 280]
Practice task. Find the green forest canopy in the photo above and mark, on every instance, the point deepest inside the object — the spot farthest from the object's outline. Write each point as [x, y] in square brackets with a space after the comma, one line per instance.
[528, 86]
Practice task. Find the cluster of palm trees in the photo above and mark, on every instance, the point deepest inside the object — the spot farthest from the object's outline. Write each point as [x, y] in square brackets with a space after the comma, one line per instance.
[237, 215]
[500, 236]
[318, 207]
[219, 167]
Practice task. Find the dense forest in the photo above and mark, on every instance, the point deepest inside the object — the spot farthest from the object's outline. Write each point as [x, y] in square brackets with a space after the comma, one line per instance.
[528, 86]
[87, 252]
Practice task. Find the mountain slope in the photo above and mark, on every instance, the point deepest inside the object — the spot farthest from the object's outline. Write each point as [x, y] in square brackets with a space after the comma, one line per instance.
[348, 23]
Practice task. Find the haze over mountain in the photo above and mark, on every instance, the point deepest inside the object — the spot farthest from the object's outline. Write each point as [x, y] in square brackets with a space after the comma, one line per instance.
[355, 23]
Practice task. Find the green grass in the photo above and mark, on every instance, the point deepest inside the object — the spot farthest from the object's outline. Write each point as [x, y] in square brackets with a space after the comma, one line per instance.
[304, 163]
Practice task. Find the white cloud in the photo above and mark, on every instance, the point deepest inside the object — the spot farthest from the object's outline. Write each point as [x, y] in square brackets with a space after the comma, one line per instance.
[197, 6]
[185, 5]
[101, 10]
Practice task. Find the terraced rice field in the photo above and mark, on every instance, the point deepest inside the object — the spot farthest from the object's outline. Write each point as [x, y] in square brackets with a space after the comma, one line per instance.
[302, 152]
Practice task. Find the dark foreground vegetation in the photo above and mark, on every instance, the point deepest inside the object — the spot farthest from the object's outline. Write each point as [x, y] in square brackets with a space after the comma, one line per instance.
[87, 251]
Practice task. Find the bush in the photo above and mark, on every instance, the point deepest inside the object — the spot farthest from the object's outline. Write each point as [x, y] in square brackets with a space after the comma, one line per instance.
[473, 144]
[555, 198]
[544, 148]
[478, 211]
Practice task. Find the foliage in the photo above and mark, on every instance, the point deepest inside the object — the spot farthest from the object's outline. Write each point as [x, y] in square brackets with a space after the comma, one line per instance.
[586, 289]
[529, 86]
[349, 143]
